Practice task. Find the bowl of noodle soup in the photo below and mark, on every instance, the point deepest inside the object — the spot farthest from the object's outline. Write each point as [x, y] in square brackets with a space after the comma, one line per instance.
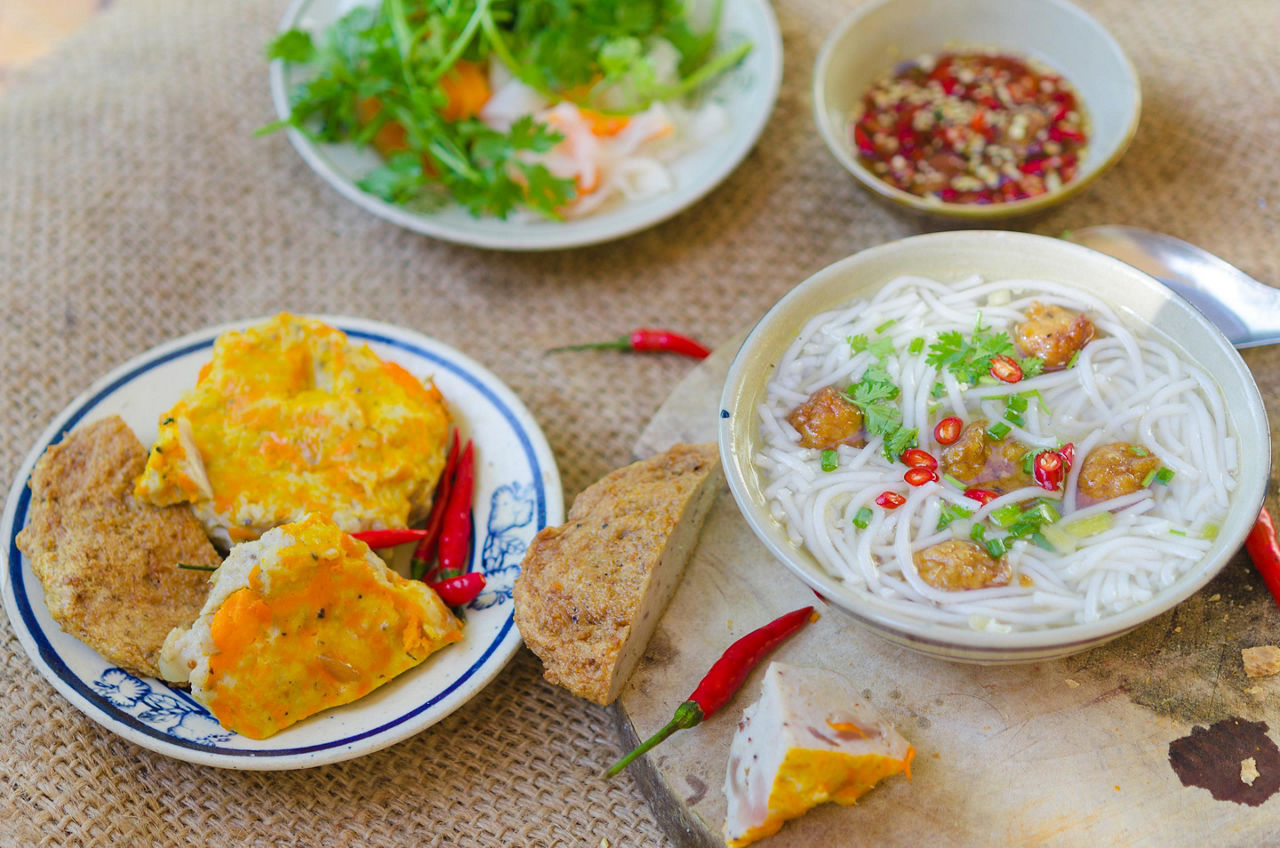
[1102, 468]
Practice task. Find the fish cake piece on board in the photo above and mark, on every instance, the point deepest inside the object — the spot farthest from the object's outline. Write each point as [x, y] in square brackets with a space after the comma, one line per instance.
[108, 561]
[591, 591]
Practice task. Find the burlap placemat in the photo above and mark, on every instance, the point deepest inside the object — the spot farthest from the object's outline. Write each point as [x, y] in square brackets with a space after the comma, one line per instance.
[135, 206]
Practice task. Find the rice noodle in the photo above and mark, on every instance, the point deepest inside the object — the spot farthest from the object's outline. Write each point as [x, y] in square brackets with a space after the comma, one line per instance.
[1122, 388]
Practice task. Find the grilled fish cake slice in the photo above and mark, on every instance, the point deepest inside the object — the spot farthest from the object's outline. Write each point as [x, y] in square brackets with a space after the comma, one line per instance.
[108, 561]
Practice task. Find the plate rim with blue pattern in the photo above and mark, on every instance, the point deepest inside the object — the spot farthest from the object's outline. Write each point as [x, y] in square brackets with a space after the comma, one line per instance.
[517, 493]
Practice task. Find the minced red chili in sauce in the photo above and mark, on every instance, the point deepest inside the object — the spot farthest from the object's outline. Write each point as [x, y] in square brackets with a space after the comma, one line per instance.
[971, 128]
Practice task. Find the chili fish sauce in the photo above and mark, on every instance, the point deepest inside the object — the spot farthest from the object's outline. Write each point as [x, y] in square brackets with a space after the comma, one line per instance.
[973, 128]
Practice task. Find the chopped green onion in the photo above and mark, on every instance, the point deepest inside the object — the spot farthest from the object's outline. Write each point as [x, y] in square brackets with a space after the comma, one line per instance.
[988, 380]
[886, 325]
[881, 348]
[1061, 541]
[1023, 528]
[1071, 363]
[1041, 542]
[1210, 532]
[952, 512]
[1138, 450]
[995, 547]
[1164, 475]
[1018, 403]
[916, 346]
[1175, 531]
[978, 533]
[959, 484]
[1014, 418]
[1046, 512]
[1151, 476]
[1089, 526]
[863, 518]
[1000, 429]
[1027, 459]
[830, 460]
[1006, 515]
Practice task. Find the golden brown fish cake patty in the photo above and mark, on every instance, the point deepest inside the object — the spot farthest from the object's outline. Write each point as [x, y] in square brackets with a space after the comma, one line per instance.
[107, 561]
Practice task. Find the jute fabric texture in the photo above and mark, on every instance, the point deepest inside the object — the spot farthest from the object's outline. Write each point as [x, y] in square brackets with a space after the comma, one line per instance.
[135, 206]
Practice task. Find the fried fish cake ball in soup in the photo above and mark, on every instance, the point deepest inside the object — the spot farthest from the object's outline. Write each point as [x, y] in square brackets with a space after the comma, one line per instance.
[957, 564]
[1116, 469]
[1053, 333]
[965, 458]
[971, 460]
[827, 419]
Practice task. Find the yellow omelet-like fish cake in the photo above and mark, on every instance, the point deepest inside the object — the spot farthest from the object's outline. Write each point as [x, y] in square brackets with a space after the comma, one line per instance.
[291, 418]
[811, 738]
[303, 619]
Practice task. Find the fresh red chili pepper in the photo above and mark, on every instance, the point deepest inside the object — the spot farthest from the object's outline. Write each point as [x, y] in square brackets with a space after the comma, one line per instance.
[890, 500]
[920, 476]
[1068, 454]
[461, 590]
[455, 534]
[425, 553]
[948, 430]
[724, 679]
[917, 458]
[647, 340]
[863, 141]
[1047, 470]
[388, 538]
[982, 496]
[1003, 368]
[1264, 550]
[1066, 132]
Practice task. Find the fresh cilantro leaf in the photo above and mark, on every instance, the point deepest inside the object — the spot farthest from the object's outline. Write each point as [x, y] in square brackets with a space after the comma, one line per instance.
[398, 181]
[871, 391]
[1032, 366]
[899, 441]
[857, 343]
[968, 359]
[292, 46]
[877, 373]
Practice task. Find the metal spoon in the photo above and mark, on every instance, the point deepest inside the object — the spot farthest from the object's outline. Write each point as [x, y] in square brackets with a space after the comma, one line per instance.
[1247, 311]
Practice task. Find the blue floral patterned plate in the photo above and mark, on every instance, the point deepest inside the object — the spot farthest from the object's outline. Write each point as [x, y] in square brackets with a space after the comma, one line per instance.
[517, 493]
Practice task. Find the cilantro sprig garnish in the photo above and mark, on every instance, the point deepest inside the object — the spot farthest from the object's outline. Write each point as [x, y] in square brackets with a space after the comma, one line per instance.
[400, 54]
[874, 394]
[970, 359]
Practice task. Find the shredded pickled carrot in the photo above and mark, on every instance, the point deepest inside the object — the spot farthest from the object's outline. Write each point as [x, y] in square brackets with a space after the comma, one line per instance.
[467, 86]
[603, 125]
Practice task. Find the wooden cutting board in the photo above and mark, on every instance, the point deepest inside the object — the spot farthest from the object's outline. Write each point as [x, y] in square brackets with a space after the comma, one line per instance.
[1139, 742]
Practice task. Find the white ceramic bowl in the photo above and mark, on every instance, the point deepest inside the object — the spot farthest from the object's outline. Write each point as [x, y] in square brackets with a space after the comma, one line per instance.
[874, 38]
[954, 256]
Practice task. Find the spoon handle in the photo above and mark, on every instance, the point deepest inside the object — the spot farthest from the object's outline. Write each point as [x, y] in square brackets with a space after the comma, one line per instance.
[1245, 310]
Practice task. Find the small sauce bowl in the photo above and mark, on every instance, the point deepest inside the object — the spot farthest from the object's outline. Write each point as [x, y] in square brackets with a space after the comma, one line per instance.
[874, 39]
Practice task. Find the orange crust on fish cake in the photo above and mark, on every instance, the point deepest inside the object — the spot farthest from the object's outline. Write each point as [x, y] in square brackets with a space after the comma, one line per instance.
[108, 561]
